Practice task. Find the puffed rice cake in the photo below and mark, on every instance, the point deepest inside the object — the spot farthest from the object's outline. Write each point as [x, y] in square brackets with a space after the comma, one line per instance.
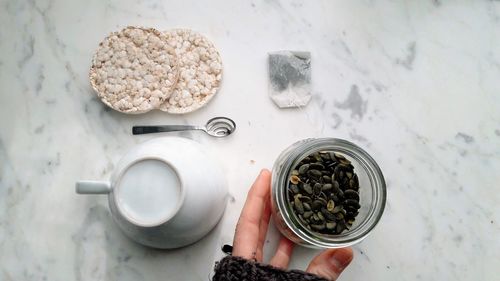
[134, 70]
[200, 71]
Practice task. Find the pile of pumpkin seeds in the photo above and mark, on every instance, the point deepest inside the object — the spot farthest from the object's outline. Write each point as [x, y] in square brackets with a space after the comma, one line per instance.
[323, 192]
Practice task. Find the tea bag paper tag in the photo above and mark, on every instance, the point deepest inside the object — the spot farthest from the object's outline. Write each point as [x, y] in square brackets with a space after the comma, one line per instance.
[290, 78]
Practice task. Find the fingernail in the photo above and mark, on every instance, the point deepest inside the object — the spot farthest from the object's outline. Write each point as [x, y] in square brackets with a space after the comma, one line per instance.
[341, 258]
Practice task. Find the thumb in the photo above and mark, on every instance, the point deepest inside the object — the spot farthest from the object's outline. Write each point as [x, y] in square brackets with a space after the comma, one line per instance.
[330, 263]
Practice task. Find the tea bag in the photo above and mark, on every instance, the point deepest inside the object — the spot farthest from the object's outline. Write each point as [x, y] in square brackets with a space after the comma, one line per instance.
[290, 78]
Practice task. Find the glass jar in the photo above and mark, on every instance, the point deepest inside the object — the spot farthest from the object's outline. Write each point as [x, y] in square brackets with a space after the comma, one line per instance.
[372, 192]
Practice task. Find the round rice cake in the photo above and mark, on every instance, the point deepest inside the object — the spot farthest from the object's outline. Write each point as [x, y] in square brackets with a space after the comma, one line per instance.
[200, 71]
[134, 70]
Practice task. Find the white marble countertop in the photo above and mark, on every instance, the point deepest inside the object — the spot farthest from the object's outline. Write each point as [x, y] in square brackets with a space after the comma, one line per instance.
[413, 82]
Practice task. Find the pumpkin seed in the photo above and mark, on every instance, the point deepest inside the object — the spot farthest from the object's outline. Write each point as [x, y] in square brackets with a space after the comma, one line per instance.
[298, 205]
[303, 169]
[331, 225]
[318, 226]
[332, 156]
[327, 186]
[294, 179]
[325, 155]
[352, 203]
[316, 156]
[306, 206]
[307, 188]
[351, 194]
[307, 214]
[316, 205]
[330, 206]
[336, 187]
[317, 189]
[316, 166]
[328, 215]
[337, 209]
[320, 216]
[339, 156]
[315, 174]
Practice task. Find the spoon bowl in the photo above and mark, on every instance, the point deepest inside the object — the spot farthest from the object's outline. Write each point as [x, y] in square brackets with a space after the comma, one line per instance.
[220, 127]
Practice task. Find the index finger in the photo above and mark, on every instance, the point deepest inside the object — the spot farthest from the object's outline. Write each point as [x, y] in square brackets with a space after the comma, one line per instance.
[246, 238]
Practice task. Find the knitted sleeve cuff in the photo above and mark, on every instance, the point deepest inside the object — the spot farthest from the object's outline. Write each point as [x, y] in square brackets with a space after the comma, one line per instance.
[238, 269]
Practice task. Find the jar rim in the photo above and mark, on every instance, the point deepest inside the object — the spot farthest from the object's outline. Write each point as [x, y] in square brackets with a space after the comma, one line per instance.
[375, 176]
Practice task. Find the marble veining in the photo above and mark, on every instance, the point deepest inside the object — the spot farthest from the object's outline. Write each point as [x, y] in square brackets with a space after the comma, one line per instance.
[415, 83]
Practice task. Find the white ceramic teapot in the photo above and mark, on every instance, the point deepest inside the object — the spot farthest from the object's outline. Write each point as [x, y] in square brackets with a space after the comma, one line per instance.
[165, 193]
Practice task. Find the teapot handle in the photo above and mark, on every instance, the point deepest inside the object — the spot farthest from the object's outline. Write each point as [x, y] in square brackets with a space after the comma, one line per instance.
[93, 187]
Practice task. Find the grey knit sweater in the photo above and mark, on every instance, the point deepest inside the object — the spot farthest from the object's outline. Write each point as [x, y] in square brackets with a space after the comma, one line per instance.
[238, 269]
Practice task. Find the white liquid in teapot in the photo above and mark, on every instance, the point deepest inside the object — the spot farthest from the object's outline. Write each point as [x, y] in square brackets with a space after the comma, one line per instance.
[149, 192]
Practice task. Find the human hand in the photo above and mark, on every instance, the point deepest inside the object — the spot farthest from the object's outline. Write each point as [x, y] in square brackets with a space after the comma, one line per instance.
[252, 228]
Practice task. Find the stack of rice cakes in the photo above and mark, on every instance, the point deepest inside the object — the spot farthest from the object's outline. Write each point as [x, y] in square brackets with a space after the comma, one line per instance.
[140, 69]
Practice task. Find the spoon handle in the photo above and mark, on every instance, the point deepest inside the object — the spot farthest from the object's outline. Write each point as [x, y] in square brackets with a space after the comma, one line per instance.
[139, 130]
